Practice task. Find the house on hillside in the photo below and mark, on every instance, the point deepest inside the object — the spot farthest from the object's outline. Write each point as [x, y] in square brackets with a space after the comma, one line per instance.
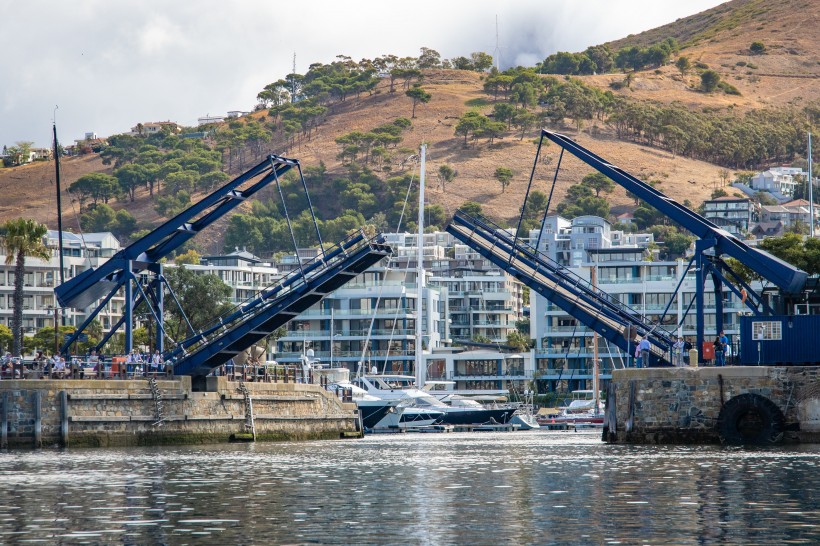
[790, 213]
[154, 127]
[206, 119]
[734, 214]
[767, 229]
[777, 180]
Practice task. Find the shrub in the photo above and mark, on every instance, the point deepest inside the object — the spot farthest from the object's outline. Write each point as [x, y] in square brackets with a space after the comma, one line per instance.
[728, 88]
[758, 48]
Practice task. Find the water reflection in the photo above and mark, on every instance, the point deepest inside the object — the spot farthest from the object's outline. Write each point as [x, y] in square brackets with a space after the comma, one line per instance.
[523, 488]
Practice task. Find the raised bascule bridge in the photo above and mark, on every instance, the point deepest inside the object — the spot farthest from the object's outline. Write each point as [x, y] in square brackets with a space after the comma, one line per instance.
[690, 404]
[137, 272]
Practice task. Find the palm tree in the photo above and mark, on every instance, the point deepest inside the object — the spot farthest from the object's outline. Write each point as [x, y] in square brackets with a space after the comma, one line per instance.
[22, 237]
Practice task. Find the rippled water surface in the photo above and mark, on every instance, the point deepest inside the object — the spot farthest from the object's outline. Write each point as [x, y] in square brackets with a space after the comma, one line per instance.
[483, 488]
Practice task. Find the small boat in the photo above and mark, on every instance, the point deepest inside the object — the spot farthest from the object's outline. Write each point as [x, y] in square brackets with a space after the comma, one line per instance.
[583, 411]
[523, 416]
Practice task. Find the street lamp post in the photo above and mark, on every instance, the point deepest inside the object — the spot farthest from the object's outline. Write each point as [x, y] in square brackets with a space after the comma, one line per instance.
[56, 331]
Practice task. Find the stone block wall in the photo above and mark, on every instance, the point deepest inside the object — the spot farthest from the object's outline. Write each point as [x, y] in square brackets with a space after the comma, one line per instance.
[682, 405]
[110, 413]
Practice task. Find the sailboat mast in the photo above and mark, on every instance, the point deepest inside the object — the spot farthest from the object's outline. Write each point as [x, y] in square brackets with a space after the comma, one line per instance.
[419, 357]
[811, 192]
[593, 273]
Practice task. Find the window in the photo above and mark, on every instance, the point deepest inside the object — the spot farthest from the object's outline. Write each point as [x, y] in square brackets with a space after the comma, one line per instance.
[767, 331]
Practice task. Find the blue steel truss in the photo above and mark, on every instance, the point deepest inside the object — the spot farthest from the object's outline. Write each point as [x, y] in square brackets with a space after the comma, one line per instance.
[713, 242]
[123, 269]
[258, 318]
[614, 321]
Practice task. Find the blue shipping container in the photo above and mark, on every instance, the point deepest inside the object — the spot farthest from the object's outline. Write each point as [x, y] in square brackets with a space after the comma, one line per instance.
[778, 340]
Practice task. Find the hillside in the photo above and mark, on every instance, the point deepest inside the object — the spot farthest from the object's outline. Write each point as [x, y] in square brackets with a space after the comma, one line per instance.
[786, 75]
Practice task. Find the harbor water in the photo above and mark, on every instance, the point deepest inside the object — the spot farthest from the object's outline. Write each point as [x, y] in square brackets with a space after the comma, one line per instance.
[532, 487]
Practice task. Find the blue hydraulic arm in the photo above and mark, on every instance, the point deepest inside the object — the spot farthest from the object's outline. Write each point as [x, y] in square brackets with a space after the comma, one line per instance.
[92, 284]
[276, 307]
[590, 307]
[101, 283]
[788, 278]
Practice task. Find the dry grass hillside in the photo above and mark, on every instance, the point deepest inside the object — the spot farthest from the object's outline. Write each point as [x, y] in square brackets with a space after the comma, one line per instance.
[786, 74]
[454, 93]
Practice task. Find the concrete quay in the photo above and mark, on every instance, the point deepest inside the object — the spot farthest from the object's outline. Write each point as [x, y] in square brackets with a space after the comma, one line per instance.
[103, 413]
[732, 405]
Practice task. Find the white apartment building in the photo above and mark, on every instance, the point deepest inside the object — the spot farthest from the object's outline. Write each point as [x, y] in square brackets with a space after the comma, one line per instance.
[80, 252]
[564, 348]
[372, 318]
[781, 180]
[242, 271]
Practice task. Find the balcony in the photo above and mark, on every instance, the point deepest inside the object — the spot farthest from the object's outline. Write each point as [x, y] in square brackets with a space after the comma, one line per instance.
[325, 334]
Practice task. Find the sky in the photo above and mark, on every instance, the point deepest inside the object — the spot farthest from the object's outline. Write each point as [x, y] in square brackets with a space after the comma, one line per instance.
[108, 65]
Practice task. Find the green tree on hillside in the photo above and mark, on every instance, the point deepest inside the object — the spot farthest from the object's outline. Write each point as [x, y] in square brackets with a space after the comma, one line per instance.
[419, 95]
[683, 64]
[504, 176]
[709, 80]
[472, 208]
[446, 174]
[481, 61]
[598, 182]
[429, 58]
[96, 186]
[470, 123]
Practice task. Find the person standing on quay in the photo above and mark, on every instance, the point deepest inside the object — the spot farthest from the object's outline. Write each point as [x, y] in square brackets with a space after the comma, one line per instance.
[644, 347]
[677, 352]
[638, 354]
[727, 351]
[720, 359]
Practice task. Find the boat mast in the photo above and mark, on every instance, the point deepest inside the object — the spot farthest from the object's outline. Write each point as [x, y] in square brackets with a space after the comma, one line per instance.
[593, 274]
[811, 192]
[59, 224]
[419, 357]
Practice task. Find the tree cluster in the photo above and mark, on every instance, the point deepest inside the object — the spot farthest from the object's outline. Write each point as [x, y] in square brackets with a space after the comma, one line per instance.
[601, 59]
[375, 146]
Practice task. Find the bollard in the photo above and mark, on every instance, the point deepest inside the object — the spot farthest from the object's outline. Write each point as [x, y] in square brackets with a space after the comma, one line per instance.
[4, 422]
[64, 418]
[36, 404]
[693, 358]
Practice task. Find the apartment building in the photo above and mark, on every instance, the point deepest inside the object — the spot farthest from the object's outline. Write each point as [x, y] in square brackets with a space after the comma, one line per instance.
[564, 348]
[80, 252]
[737, 215]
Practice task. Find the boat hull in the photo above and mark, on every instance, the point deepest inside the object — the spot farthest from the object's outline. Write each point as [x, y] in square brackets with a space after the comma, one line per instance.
[374, 411]
[476, 417]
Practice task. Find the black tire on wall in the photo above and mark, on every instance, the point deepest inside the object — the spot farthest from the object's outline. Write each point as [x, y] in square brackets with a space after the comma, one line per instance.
[751, 419]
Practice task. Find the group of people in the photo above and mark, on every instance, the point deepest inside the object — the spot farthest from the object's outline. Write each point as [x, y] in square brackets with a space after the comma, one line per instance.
[137, 362]
[56, 366]
[680, 351]
[41, 366]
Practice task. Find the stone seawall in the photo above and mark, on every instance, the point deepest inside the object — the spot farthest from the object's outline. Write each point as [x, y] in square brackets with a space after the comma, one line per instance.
[91, 413]
[754, 405]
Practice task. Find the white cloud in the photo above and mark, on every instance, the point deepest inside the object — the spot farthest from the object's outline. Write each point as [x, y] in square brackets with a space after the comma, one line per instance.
[110, 65]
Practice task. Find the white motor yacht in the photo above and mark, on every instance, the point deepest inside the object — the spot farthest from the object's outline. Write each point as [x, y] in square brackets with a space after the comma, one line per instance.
[465, 412]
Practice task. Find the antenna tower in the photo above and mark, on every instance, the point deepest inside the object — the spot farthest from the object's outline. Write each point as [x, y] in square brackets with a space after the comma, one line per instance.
[497, 51]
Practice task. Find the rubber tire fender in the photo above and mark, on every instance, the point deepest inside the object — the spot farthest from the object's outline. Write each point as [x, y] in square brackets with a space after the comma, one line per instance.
[750, 419]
